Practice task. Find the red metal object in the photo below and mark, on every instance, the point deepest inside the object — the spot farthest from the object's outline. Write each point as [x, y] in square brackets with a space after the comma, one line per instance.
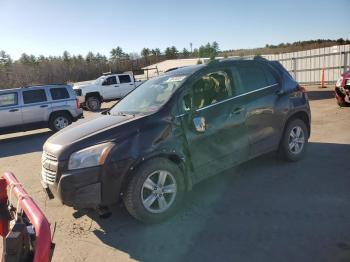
[4, 223]
[34, 214]
[342, 90]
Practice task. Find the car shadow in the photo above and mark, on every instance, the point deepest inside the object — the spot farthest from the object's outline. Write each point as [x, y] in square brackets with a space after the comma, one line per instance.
[320, 94]
[23, 144]
[267, 210]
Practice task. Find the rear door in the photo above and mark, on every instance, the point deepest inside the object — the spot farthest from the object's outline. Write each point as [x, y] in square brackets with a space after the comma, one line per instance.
[259, 85]
[213, 123]
[36, 107]
[126, 85]
[10, 110]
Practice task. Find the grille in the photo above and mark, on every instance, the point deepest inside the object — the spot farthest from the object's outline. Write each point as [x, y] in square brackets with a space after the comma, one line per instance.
[49, 168]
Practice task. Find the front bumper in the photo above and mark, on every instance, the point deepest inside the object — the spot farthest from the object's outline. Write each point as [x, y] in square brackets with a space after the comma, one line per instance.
[84, 188]
[78, 188]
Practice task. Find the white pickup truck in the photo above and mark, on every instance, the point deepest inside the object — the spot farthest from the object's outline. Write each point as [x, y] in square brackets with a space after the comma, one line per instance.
[105, 88]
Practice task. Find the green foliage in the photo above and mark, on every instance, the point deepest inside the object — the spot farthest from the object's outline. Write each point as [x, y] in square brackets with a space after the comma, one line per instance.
[145, 52]
[185, 53]
[5, 59]
[171, 52]
[156, 52]
[209, 50]
[117, 54]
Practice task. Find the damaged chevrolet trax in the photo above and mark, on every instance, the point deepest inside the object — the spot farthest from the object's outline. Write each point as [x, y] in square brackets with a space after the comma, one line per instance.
[174, 131]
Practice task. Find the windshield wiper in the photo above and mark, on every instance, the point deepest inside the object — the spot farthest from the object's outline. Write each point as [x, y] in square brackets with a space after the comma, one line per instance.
[125, 114]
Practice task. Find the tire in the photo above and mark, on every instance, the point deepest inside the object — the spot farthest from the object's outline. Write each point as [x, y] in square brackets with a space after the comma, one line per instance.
[146, 204]
[58, 121]
[93, 103]
[292, 149]
[342, 103]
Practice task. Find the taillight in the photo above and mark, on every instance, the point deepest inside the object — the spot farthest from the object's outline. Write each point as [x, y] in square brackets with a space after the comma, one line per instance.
[303, 90]
[78, 103]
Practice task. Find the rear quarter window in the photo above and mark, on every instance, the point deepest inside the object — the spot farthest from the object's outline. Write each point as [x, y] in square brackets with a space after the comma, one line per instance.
[270, 78]
[8, 99]
[59, 93]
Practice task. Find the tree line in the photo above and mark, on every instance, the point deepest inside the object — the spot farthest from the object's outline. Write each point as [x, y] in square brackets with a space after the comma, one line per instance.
[33, 70]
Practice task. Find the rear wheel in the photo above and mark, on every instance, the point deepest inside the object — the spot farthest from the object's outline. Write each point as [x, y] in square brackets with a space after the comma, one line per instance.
[155, 191]
[294, 140]
[93, 103]
[58, 121]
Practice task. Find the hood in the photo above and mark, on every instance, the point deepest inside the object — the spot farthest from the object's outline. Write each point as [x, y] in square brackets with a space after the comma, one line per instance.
[83, 84]
[89, 131]
[346, 74]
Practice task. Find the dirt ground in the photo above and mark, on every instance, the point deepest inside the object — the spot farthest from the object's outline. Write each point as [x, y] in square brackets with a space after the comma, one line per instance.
[267, 210]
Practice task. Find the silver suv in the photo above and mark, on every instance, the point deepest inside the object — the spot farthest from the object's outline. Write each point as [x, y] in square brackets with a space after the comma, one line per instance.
[28, 108]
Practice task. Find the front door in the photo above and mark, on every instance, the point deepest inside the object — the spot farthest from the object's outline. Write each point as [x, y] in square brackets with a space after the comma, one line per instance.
[10, 110]
[110, 88]
[214, 123]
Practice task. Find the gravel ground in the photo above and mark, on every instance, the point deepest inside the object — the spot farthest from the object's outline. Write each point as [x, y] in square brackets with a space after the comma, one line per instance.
[267, 210]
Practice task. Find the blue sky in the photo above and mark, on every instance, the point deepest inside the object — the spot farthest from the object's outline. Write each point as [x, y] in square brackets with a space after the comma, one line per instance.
[50, 27]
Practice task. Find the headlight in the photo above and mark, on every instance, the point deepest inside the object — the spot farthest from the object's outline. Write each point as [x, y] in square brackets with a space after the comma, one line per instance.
[89, 157]
[338, 84]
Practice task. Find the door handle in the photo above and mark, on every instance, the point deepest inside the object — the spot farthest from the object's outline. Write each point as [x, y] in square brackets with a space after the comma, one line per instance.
[238, 110]
[44, 106]
[131, 84]
[116, 86]
[13, 110]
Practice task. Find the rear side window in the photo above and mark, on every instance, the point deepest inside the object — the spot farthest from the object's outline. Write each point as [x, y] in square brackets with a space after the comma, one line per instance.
[8, 99]
[252, 77]
[124, 79]
[34, 96]
[59, 93]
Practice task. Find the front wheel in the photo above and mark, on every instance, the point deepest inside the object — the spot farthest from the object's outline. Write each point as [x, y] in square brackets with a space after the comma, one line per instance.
[155, 191]
[294, 140]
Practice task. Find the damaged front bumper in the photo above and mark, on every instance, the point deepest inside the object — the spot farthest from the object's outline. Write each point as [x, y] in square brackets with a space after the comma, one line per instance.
[342, 95]
[78, 188]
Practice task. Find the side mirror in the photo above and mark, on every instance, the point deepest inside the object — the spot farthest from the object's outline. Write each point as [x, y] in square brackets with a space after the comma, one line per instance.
[105, 83]
[199, 124]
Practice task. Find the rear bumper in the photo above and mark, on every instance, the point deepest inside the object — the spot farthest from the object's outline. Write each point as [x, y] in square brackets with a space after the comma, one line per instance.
[81, 99]
[79, 116]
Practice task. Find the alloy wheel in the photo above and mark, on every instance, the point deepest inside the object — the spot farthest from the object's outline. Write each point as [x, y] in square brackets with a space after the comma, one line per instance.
[296, 140]
[158, 191]
[61, 122]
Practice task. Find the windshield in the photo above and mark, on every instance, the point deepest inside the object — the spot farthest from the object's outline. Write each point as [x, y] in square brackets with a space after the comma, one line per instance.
[100, 80]
[149, 96]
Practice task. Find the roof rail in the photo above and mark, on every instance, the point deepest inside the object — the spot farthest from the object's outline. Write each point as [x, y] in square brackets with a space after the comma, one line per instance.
[63, 84]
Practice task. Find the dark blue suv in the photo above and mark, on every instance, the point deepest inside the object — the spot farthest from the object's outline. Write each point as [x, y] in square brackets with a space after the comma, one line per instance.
[176, 130]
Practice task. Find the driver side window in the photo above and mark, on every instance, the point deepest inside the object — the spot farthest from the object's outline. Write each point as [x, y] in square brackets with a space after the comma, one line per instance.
[112, 80]
[209, 89]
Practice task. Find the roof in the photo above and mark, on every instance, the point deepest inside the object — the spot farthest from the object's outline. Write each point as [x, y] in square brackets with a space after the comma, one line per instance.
[31, 87]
